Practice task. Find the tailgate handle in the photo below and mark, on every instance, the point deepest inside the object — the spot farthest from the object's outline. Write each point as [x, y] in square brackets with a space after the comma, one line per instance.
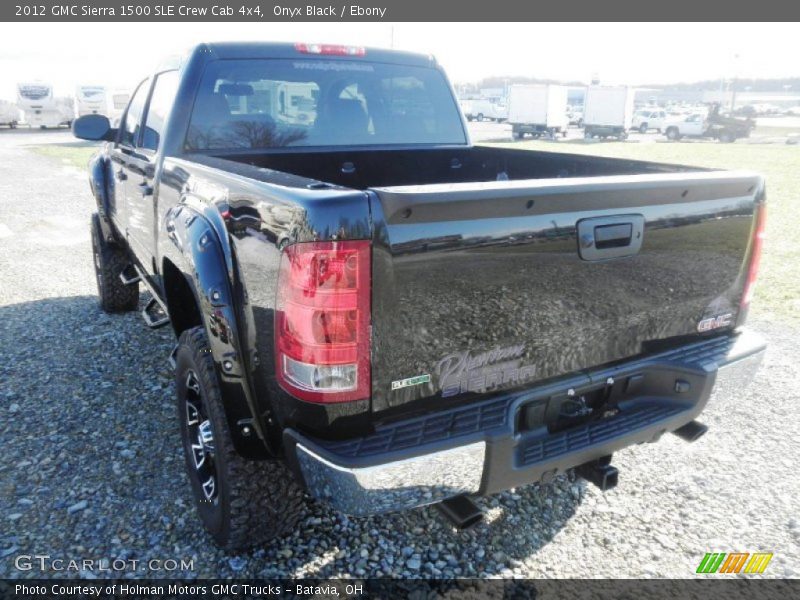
[613, 236]
[601, 238]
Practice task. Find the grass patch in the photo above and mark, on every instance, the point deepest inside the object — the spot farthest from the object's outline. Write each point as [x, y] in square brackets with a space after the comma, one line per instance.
[767, 131]
[74, 155]
[777, 295]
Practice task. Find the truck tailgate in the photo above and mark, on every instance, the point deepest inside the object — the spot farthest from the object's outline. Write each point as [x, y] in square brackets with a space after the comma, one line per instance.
[482, 287]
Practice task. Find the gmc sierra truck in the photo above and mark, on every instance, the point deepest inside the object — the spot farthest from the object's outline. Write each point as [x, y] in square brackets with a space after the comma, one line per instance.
[373, 312]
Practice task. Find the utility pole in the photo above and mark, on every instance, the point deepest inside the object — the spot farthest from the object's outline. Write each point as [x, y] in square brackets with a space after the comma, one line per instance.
[735, 79]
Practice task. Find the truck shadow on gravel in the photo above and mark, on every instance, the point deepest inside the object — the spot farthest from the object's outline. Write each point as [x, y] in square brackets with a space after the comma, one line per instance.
[93, 467]
[423, 544]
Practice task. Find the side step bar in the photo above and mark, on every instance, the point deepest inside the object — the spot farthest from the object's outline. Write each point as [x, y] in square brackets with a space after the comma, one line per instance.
[155, 313]
[151, 316]
[173, 357]
[130, 275]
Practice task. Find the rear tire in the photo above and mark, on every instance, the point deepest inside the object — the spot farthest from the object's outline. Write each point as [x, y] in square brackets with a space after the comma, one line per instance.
[673, 134]
[643, 128]
[109, 261]
[726, 138]
[247, 502]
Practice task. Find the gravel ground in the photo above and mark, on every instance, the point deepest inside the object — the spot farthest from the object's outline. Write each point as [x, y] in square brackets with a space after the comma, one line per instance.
[91, 465]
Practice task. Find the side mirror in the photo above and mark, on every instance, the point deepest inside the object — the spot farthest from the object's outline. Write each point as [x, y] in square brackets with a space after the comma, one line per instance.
[93, 127]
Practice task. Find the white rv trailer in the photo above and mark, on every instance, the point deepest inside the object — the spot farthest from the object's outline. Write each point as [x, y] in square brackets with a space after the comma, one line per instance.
[538, 110]
[40, 108]
[90, 100]
[117, 103]
[290, 102]
[608, 111]
[9, 114]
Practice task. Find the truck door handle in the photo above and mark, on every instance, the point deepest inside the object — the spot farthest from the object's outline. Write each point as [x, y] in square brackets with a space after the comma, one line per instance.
[601, 238]
[146, 189]
[121, 175]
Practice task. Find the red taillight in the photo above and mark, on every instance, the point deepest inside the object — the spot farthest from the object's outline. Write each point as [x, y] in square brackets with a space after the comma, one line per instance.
[322, 321]
[331, 49]
[755, 254]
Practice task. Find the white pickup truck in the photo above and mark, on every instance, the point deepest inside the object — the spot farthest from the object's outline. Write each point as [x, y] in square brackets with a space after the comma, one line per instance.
[484, 109]
[711, 125]
[649, 118]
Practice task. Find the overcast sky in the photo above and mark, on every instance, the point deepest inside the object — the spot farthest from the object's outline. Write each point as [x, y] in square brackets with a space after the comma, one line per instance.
[71, 53]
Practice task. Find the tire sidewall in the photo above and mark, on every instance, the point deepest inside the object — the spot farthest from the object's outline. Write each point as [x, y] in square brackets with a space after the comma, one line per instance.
[109, 262]
[97, 255]
[215, 516]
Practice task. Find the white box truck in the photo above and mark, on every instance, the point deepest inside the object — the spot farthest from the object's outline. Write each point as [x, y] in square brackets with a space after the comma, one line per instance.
[608, 111]
[538, 110]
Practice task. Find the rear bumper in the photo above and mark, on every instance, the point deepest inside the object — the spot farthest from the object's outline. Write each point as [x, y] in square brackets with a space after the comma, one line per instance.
[482, 449]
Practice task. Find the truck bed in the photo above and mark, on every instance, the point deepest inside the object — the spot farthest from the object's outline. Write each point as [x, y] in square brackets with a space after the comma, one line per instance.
[363, 169]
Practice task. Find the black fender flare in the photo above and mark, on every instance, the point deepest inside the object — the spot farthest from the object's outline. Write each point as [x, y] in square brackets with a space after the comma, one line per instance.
[199, 247]
[99, 173]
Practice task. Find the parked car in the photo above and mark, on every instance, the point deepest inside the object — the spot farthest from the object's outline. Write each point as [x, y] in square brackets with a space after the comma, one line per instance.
[649, 118]
[371, 311]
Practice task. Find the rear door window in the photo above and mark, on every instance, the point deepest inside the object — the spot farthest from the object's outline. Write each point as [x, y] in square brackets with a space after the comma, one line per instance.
[129, 134]
[158, 109]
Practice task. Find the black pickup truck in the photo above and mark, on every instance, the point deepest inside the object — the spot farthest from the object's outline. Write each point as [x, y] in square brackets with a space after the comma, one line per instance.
[372, 311]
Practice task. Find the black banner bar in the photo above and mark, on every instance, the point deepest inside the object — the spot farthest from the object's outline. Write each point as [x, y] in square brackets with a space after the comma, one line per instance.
[700, 588]
[395, 10]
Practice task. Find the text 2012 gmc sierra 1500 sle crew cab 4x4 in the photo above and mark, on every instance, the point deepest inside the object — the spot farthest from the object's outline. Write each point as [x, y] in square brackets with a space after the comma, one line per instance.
[373, 311]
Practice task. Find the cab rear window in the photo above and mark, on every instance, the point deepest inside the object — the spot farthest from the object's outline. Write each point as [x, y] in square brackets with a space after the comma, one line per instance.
[311, 102]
